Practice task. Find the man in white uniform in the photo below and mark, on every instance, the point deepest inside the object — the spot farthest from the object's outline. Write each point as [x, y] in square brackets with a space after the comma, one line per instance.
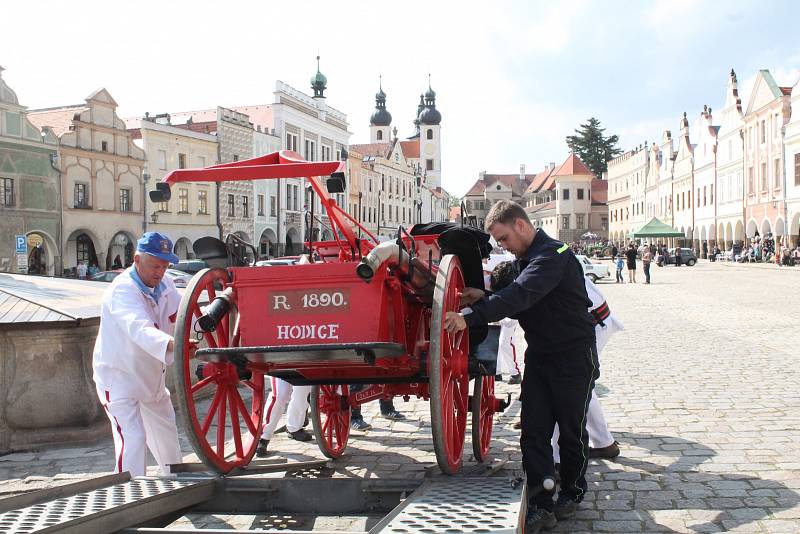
[601, 441]
[133, 349]
[281, 395]
[506, 346]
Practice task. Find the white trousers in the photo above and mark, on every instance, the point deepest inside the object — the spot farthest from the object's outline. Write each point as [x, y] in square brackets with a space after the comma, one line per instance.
[596, 426]
[507, 350]
[136, 423]
[283, 394]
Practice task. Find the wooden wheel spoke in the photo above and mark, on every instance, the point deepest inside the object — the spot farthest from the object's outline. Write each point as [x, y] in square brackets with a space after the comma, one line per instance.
[221, 418]
[234, 409]
[200, 384]
[246, 416]
[211, 412]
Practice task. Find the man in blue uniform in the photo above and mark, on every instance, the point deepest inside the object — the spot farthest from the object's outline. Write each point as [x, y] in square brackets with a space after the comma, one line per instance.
[549, 300]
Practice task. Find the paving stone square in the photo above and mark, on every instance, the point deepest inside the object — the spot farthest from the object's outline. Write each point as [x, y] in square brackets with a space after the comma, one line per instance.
[701, 390]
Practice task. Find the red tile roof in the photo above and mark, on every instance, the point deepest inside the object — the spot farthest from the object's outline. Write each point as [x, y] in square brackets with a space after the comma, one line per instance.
[373, 149]
[573, 166]
[477, 189]
[260, 115]
[539, 180]
[455, 213]
[410, 148]
[541, 207]
[59, 119]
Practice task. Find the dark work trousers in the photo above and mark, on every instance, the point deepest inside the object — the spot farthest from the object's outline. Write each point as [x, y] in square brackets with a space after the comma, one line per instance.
[557, 388]
[647, 273]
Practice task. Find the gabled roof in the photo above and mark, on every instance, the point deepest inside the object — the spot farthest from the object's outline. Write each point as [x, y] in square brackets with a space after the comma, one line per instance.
[539, 180]
[573, 166]
[511, 181]
[410, 148]
[59, 119]
[477, 189]
[102, 95]
[383, 149]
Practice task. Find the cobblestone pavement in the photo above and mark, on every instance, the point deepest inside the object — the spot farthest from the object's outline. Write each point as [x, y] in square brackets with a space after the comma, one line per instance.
[701, 390]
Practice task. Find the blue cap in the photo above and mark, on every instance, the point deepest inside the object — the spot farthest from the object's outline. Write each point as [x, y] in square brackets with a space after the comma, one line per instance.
[158, 245]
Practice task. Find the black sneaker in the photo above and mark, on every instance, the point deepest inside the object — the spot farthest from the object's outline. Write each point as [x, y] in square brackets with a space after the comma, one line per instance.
[301, 435]
[514, 380]
[261, 450]
[394, 415]
[609, 453]
[566, 507]
[360, 424]
[538, 519]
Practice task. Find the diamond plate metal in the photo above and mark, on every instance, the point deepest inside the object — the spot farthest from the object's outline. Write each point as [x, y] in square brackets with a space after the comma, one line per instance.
[53, 515]
[460, 505]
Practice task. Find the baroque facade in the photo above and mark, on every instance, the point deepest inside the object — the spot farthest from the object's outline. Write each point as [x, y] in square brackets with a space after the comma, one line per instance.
[722, 184]
[30, 196]
[101, 181]
[191, 213]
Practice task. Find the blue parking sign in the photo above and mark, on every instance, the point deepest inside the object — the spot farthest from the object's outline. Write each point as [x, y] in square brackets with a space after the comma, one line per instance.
[22, 244]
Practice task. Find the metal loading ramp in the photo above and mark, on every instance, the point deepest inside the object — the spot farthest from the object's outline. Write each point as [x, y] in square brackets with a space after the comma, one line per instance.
[108, 509]
[479, 504]
[148, 505]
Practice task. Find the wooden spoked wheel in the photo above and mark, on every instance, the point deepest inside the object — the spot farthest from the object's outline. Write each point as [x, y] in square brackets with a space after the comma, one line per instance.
[447, 370]
[221, 406]
[483, 405]
[330, 418]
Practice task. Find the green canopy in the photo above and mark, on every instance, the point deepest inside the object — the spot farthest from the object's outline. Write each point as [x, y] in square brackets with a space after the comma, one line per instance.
[656, 228]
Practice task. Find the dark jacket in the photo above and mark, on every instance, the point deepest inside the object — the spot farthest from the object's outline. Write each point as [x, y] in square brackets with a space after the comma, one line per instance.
[548, 298]
[630, 254]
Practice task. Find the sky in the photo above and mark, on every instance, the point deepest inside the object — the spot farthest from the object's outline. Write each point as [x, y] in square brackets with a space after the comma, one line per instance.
[513, 79]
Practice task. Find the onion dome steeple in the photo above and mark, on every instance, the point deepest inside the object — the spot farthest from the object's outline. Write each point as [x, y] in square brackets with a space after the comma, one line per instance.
[430, 115]
[319, 83]
[381, 116]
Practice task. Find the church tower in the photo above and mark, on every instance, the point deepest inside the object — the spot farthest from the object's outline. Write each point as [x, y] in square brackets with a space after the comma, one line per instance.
[381, 120]
[430, 142]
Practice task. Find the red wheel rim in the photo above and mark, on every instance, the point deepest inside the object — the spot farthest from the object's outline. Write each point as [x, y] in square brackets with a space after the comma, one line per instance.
[452, 375]
[331, 421]
[482, 416]
[222, 412]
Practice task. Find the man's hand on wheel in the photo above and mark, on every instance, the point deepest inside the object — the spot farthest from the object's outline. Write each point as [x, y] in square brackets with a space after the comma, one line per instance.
[471, 295]
[454, 322]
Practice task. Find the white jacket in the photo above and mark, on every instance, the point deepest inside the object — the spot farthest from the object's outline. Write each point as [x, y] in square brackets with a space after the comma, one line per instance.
[130, 355]
[610, 325]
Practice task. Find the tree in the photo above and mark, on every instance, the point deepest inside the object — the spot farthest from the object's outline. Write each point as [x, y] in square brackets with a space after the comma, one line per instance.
[594, 149]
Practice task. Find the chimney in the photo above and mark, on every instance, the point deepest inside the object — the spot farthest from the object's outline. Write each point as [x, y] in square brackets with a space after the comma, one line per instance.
[522, 172]
[482, 175]
[552, 165]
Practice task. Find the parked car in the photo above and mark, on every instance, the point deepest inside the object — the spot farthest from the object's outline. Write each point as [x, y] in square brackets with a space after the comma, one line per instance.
[189, 266]
[285, 260]
[593, 270]
[688, 257]
[179, 278]
[106, 276]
